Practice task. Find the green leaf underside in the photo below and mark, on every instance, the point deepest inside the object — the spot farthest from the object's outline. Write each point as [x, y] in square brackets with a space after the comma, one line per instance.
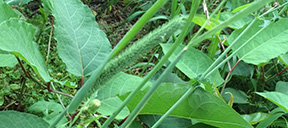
[193, 63]
[18, 39]
[277, 98]
[109, 105]
[269, 44]
[14, 119]
[200, 105]
[81, 44]
[7, 59]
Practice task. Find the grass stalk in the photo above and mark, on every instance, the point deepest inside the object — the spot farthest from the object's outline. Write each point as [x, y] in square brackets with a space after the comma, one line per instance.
[152, 89]
[138, 25]
[157, 67]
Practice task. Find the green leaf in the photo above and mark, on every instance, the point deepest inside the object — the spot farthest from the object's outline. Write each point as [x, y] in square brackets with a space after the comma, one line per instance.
[50, 110]
[7, 59]
[121, 84]
[17, 2]
[17, 38]
[284, 59]
[242, 69]
[274, 115]
[238, 24]
[15, 86]
[200, 105]
[269, 43]
[201, 19]
[81, 44]
[240, 8]
[169, 122]
[193, 63]
[109, 105]
[6, 12]
[239, 96]
[255, 118]
[282, 87]
[14, 119]
[278, 98]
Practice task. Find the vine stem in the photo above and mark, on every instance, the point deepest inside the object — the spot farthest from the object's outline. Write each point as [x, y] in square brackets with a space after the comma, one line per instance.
[228, 76]
[27, 75]
[282, 71]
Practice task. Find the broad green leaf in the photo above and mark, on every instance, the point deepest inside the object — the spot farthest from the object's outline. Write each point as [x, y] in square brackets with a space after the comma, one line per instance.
[269, 43]
[200, 105]
[273, 115]
[193, 63]
[239, 96]
[242, 69]
[6, 12]
[50, 110]
[255, 118]
[282, 87]
[109, 105]
[121, 84]
[201, 19]
[238, 24]
[17, 37]
[14, 119]
[17, 2]
[7, 59]
[278, 98]
[169, 122]
[284, 59]
[80, 43]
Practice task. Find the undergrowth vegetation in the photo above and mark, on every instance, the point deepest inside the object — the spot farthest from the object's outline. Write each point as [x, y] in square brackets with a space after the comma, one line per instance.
[139, 63]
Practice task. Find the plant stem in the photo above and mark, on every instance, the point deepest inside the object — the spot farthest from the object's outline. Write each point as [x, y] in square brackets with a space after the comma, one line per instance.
[228, 76]
[49, 41]
[282, 71]
[138, 25]
[152, 89]
[157, 67]
[187, 93]
[234, 52]
[227, 50]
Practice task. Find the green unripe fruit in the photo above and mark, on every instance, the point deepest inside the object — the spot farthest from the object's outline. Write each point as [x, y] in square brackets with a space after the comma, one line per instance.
[92, 107]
